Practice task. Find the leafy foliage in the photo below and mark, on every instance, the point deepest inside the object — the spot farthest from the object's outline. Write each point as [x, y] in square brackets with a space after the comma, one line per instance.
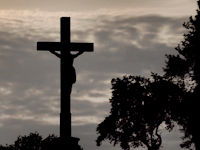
[32, 142]
[139, 106]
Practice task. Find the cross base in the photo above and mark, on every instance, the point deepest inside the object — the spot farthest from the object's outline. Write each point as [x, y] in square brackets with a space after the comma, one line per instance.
[57, 144]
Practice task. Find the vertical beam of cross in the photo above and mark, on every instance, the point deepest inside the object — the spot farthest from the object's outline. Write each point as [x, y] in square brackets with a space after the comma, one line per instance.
[65, 114]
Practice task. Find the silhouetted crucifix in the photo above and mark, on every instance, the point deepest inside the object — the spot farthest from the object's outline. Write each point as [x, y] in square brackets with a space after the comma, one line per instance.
[68, 75]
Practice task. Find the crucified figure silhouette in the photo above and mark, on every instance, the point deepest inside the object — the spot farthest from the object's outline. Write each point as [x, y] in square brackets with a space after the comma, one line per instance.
[67, 76]
[71, 71]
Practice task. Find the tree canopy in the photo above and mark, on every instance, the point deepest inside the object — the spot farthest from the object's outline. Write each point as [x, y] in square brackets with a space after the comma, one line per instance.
[33, 141]
[139, 107]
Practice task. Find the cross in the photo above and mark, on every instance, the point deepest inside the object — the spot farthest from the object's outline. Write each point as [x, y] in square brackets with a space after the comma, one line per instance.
[65, 46]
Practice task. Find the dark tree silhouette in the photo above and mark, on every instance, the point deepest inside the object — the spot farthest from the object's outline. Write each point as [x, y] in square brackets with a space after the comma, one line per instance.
[187, 65]
[139, 106]
[34, 141]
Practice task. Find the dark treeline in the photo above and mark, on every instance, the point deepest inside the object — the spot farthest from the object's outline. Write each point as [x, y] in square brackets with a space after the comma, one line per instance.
[33, 141]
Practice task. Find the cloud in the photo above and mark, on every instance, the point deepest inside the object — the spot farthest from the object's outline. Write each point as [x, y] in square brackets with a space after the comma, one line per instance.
[142, 7]
[123, 46]
[30, 79]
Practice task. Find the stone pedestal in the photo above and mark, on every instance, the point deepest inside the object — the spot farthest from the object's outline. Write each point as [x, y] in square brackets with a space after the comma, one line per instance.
[66, 145]
[74, 144]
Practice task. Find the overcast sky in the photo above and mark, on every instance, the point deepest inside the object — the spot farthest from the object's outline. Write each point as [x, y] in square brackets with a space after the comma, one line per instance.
[131, 37]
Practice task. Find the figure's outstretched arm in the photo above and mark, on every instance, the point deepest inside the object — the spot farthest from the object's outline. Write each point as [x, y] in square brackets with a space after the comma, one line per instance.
[77, 54]
[53, 52]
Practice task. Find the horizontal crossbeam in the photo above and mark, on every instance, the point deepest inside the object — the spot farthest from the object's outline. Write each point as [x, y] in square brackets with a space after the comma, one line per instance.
[58, 46]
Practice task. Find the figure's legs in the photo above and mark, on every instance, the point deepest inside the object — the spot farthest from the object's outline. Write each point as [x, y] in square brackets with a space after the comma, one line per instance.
[69, 89]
